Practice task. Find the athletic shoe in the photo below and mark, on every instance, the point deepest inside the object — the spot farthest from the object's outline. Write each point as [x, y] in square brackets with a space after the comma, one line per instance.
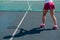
[42, 25]
[55, 27]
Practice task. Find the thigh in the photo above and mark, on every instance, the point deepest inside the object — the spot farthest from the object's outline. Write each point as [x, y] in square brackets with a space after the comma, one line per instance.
[52, 12]
[44, 12]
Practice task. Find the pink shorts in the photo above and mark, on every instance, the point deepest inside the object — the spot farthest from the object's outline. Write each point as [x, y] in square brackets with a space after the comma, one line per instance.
[49, 6]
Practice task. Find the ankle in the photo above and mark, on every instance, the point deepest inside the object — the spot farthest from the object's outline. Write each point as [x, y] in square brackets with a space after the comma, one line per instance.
[55, 26]
[42, 23]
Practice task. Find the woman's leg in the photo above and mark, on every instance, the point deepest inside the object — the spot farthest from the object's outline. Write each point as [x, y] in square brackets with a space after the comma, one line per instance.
[44, 16]
[45, 10]
[54, 19]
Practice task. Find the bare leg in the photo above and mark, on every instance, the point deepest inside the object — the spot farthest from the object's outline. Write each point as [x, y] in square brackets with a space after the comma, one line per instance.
[44, 16]
[53, 17]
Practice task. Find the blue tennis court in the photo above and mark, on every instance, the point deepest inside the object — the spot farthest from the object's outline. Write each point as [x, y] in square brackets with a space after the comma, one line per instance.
[20, 20]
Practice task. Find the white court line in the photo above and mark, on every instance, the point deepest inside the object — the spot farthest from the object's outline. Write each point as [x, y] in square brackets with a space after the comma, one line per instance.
[29, 5]
[19, 24]
[29, 8]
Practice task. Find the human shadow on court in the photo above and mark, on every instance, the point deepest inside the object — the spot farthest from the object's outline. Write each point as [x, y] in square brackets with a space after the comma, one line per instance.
[24, 32]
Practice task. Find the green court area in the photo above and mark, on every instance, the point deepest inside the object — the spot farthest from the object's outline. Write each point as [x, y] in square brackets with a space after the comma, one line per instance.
[23, 5]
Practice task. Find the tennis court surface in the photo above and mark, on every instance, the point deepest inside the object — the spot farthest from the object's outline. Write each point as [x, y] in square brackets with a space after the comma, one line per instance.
[24, 23]
[29, 28]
